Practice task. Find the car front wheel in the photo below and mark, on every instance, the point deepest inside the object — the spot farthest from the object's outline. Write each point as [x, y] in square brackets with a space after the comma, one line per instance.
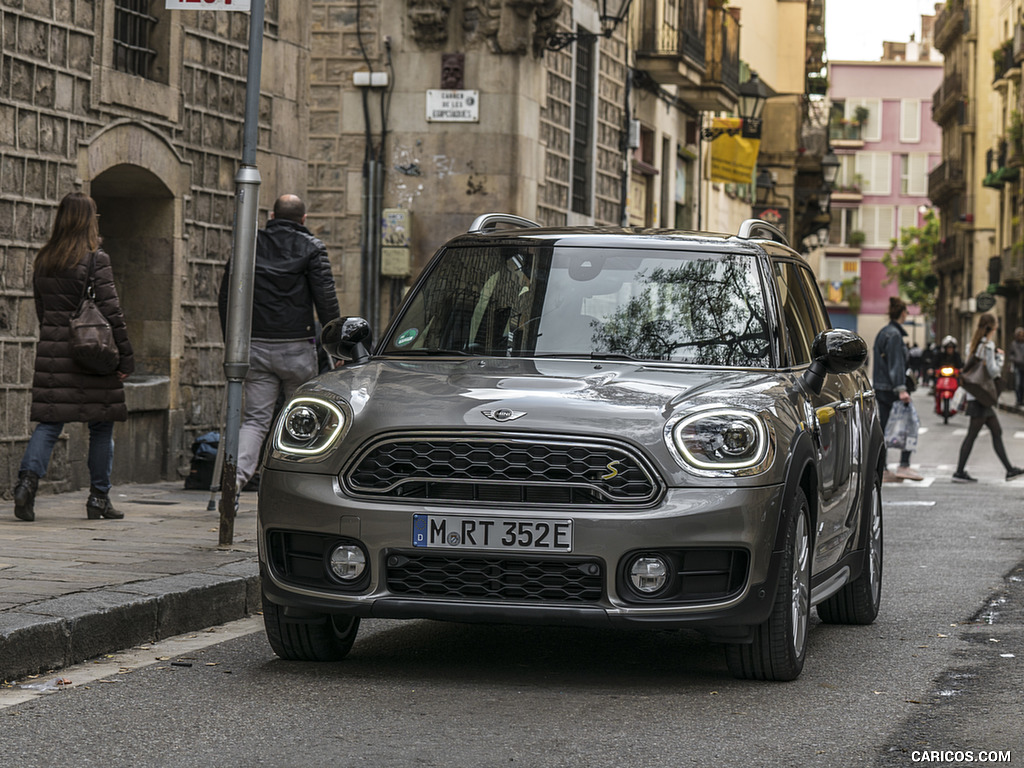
[321, 638]
[780, 644]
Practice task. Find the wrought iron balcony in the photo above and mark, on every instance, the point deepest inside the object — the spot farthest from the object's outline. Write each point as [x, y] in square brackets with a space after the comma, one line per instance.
[719, 90]
[945, 181]
[673, 41]
[946, 98]
[1002, 60]
[950, 24]
[947, 254]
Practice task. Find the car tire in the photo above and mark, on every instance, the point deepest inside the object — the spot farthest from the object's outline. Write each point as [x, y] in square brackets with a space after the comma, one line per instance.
[325, 637]
[858, 602]
[780, 644]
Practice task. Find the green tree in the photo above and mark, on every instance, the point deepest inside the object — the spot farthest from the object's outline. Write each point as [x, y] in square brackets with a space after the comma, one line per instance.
[910, 263]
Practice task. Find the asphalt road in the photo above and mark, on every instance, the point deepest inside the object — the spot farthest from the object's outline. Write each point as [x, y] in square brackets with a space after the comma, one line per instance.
[940, 674]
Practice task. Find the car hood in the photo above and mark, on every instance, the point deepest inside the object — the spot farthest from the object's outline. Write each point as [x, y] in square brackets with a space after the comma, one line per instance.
[629, 400]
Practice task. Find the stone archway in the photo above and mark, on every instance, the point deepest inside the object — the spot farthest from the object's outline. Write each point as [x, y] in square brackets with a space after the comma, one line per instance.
[138, 181]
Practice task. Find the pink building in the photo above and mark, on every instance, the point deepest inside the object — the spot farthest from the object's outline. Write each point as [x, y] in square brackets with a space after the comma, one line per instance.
[882, 131]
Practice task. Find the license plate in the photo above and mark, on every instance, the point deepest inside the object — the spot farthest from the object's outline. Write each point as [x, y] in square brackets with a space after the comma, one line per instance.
[512, 534]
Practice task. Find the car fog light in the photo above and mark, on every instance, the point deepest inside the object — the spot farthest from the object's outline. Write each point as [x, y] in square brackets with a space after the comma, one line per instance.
[648, 573]
[348, 562]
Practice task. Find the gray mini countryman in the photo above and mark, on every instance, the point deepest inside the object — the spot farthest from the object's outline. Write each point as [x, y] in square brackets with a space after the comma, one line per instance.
[581, 426]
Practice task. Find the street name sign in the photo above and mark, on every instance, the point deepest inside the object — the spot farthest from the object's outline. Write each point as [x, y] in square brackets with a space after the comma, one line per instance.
[446, 106]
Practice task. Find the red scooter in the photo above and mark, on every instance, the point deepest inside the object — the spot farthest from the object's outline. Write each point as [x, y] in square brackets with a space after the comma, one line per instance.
[947, 381]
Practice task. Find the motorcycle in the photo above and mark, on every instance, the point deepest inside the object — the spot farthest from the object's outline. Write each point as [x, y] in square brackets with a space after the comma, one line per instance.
[947, 381]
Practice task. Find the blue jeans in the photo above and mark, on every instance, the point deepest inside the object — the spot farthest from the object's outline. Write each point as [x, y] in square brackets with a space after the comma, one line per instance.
[101, 451]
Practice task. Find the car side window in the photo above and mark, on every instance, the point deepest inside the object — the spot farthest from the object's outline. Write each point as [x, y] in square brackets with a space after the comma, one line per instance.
[796, 312]
[814, 301]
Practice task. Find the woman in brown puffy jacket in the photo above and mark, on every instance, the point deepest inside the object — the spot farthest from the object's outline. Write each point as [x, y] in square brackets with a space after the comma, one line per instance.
[61, 390]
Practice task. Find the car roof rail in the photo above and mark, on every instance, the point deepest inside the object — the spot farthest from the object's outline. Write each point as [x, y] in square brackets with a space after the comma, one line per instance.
[487, 221]
[761, 230]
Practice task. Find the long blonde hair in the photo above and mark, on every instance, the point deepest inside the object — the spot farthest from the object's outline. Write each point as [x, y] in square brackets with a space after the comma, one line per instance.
[986, 323]
[76, 232]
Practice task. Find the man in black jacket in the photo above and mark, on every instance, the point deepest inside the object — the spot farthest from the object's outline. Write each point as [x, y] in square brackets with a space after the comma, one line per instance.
[292, 278]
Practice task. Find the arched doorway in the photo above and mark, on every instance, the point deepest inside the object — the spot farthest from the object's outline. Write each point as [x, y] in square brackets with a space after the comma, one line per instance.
[138, 182]
[136, 223]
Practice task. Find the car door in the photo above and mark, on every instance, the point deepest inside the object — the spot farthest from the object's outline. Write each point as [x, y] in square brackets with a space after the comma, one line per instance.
[831, 411]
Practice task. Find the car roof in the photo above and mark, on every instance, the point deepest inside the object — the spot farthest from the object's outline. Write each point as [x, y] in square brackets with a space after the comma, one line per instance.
[616, 237]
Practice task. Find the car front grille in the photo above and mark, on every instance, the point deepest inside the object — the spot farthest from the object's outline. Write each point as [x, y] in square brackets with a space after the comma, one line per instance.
[526, 470]
[497, 577]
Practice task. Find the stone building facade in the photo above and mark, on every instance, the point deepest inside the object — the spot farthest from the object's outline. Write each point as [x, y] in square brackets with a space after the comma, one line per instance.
[142, 108]
[547, 143]
[151, 128]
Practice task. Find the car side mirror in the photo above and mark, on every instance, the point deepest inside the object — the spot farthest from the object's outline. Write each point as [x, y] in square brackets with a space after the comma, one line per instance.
[348, 339]
[834, 351]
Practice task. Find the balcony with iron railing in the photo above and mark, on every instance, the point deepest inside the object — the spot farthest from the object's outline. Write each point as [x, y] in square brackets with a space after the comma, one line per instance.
[815, 37]
[719, 90]
[947, 254]
[1002, 61]
[952, 22]
[1013, 263]
[672, 41]
[945, 181]
[946, 98]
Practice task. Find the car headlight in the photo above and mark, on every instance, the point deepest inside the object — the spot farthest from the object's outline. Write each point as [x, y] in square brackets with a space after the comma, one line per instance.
[721, 441]
[308, 426]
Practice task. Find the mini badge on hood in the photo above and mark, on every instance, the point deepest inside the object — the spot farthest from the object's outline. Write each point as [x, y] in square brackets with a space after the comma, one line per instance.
[503, 414]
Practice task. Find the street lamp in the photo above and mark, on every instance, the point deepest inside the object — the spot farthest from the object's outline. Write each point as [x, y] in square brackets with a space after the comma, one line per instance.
[764, 186]
[613, 12]
[753, 94]
[830, 168]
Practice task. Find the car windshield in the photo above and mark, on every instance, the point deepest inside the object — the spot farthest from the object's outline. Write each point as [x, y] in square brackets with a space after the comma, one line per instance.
[542, 300]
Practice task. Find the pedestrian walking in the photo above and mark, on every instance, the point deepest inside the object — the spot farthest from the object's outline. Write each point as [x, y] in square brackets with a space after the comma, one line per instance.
[983, 347]
[62, 391]
[889, 378]
[292, 278]
[1017, 359]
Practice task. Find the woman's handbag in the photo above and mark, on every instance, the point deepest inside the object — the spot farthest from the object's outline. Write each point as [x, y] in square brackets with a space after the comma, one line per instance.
[974, 378]
[92, 339]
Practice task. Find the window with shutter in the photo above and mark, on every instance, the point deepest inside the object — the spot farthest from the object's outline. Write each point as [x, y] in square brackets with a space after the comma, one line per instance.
[917, 174]
[910, 121]
[907, 218]
[872, 131]
[877, 223]
[875, 168]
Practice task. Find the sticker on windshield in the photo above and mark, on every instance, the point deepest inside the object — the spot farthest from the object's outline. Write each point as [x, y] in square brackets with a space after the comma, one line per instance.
[406, 337]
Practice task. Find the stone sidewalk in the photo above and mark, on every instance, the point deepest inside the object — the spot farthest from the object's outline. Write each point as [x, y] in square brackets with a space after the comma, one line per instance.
[73, 588]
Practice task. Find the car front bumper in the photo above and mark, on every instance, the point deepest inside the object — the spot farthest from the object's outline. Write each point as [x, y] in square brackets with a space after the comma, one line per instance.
[310, 512]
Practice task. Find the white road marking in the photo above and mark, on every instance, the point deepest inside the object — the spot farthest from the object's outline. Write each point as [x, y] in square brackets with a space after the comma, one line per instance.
[106, 669]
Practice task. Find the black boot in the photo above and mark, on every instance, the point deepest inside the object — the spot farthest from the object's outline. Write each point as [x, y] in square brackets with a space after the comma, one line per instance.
[99, 506]
[25, 496]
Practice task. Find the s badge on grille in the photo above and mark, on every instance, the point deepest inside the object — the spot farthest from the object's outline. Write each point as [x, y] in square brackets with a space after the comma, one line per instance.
[613, 470]
[503, 414]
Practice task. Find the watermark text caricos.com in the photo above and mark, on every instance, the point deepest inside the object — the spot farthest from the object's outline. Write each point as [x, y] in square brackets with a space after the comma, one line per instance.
[960, 756]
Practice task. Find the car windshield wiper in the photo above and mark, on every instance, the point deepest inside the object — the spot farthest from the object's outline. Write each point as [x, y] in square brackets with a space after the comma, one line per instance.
[430, 351]
[592, 356]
